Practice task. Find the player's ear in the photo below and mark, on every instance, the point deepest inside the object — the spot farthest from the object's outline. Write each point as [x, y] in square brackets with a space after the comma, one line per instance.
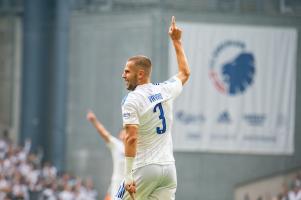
[141, 73]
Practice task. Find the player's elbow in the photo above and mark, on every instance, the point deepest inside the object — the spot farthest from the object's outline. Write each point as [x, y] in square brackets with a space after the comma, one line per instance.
[187, 73]
[184, 75]
[130, 139]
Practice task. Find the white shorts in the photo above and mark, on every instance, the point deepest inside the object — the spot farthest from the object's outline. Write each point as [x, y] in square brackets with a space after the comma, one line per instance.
[153, 182]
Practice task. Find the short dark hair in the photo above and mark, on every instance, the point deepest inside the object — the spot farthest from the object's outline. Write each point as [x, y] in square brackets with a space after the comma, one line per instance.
[143, 62]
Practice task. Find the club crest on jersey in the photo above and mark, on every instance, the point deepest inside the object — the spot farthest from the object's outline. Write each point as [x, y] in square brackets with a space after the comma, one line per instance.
[126, 115]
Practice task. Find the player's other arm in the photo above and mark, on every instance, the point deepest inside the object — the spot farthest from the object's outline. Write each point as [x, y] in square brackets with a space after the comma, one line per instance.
[130, 141]
[102, 131]
[131, 125]
[130, 148]
[183, 68]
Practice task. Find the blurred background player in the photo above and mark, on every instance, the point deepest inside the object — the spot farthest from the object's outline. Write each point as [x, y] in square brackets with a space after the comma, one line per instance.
[117, 151]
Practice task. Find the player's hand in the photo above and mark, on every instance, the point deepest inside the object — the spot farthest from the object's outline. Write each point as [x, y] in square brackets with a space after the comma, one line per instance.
[174, 32]
[91, 116]
[131, 188]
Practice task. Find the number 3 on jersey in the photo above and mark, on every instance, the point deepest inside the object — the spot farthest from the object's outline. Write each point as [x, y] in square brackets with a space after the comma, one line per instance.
[161, 117]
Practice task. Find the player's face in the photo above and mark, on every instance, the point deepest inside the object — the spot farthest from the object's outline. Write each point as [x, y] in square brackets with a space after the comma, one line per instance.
[130, 76]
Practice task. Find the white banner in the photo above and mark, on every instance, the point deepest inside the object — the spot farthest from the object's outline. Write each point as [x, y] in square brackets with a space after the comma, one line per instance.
[241, 95]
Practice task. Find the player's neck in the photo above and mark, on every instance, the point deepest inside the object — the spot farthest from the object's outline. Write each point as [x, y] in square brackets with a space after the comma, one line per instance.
[144, 81]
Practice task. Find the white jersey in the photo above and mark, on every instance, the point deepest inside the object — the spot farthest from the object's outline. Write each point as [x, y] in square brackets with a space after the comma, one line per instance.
[150, 107]
[117, 150]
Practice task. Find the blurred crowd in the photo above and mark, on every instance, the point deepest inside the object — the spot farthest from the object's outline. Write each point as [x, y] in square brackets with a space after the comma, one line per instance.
[24, 175]
[291, 191]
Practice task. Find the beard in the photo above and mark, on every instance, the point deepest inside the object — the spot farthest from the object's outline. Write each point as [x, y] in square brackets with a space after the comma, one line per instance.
[131, 87]
[132, 84]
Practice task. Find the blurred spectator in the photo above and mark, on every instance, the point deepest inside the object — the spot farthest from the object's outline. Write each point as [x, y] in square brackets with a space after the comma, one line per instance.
[19, 188]
[79, 190]
[91, 193]
[295, 192]
[4, 186]
[3, 148]
[49, 192]
[66, 193]
[49, 171]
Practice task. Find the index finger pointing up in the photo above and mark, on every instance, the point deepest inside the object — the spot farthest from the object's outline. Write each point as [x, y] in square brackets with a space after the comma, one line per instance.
[173, 22]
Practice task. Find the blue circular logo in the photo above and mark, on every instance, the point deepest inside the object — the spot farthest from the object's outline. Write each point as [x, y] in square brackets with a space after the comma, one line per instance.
[232, 68]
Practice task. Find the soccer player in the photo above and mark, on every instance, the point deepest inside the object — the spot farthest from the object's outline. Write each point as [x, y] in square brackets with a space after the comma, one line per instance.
[150, 171]
[117, 151]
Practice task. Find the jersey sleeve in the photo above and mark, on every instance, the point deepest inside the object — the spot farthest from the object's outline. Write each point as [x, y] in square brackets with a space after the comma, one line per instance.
[173, 86]
[112, 142]
[129, 113]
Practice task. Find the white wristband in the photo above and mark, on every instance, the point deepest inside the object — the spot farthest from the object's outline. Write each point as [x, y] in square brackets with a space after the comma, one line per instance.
[129, 161]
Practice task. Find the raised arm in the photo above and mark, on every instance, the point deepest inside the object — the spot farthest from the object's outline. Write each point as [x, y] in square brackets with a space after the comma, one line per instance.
[99, 126]
[183, 68]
